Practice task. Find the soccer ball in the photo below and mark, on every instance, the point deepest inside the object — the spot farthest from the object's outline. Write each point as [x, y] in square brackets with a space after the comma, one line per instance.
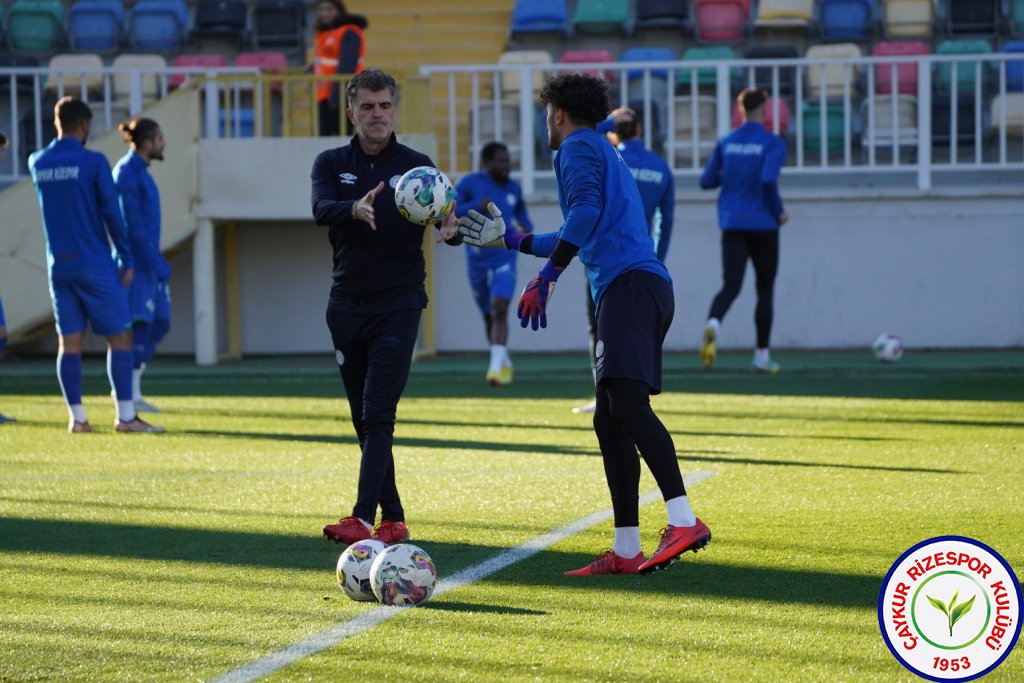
[424, 195]
[403, 575]
[888, 348]
[354, 569]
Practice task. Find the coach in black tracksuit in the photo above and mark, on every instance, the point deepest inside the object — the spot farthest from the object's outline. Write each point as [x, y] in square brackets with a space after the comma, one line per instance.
[378, 292]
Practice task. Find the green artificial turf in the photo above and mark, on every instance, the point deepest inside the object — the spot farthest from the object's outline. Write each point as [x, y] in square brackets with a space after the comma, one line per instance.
[187, 555]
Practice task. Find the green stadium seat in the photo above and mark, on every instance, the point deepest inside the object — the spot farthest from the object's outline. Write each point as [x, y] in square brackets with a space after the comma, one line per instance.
[706, 75]
[603, 16]
[35, 25]
[965, 72]
[1015, 17]
[834, 126]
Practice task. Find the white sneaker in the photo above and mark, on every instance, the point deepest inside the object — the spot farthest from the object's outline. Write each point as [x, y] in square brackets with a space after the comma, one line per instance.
[588, 408]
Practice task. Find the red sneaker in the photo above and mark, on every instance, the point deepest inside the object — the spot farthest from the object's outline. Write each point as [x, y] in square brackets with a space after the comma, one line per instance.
[610, 563]
[347, 531]
[676, 540]
[390, 532]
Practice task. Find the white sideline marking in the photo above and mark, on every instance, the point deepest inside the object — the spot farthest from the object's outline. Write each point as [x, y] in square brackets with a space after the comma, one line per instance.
[319, 642]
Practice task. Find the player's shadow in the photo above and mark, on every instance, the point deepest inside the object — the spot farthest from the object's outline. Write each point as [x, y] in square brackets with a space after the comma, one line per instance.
[447, 606]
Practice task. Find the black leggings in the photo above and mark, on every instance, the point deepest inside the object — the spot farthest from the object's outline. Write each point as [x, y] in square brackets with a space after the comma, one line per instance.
[625, 422]
[762, 248]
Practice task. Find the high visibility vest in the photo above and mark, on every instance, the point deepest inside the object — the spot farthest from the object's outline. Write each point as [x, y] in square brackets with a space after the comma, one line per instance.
[328, 51]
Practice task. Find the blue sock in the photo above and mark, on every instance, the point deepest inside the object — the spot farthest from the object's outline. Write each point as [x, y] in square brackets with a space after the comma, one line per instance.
[119, 370]
[157, 331]
[69, 373]
[140, 342]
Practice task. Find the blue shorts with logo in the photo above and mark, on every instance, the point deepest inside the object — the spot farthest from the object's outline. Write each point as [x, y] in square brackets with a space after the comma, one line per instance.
[634, 316]
[90, 296]
[142, 296]
[492, 278]
[162, 301]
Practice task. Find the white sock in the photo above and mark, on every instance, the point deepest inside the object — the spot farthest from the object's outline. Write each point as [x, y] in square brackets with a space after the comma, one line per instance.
[627, 541]
[137, 384]
[762, 356]
[367, 524]
[679, 512]
[77, 412]
[714, 323]
[125, 411]
[506, 360]
[498, 353]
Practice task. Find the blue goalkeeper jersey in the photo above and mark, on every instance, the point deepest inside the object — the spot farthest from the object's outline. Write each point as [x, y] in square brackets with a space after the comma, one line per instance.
[657, 191]
[77, 196]
[140, 206]
[476, 189]
[603, 211]
[746, 165]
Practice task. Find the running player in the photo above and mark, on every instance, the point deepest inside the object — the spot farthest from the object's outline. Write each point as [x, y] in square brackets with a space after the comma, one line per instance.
[77, 198]
[140, 206]
[492, 273]
[605, 226]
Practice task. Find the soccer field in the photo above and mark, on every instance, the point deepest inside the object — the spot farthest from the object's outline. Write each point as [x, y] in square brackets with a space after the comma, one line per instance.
[189, 555]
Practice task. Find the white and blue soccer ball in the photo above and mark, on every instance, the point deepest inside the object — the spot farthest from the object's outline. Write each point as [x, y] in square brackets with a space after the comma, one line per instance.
[888, 348]
[354, 569]
[424, 195]
[403, 575]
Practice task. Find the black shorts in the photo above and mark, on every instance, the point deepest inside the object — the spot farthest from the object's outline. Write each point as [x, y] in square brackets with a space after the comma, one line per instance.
[632, 321]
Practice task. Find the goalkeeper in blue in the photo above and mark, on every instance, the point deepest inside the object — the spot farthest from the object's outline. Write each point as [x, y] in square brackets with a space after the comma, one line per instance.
[492, 274]
[605, 226]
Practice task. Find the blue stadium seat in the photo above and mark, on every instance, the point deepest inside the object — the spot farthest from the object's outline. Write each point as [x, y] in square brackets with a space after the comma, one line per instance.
[1015, 69]
[158, 25]
[540, 16]
[96, 25]
[846, 20]
[648, 54]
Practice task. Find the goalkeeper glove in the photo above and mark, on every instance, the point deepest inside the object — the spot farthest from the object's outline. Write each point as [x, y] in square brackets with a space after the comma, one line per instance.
[483, 231]
[534, 300]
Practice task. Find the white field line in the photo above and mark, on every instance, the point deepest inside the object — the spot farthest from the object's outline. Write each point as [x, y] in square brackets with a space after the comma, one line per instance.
[319, 642]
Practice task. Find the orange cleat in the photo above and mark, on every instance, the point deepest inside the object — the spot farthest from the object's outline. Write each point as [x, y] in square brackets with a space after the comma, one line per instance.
[347, 531]
[610, 563]
[391, 532]
[676, 540]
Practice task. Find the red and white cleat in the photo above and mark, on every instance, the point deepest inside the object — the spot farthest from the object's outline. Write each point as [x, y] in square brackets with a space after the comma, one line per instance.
[676, 540]
[391, 532]
[610, 563]
[348, 530]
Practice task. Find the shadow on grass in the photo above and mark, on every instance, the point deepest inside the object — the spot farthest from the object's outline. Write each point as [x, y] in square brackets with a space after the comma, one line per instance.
[445, 606]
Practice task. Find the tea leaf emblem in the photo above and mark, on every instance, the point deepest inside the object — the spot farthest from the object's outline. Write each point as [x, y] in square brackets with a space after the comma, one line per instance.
[953, 611]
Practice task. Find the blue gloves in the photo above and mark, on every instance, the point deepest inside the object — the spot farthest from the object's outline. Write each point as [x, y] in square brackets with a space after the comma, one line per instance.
[536, 295]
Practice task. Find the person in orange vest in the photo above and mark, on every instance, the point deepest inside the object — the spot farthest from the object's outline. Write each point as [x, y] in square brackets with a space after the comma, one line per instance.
[339, 47]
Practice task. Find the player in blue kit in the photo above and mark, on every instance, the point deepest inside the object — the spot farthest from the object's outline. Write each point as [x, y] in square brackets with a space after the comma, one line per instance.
[78, 198]
[605, 226]
[492, 273]
[140, 205]
[4, 143]
[746, 165]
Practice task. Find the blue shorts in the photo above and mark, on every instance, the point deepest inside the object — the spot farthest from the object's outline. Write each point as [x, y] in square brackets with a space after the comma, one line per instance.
[91, 296]
[142, 296]
[492, 281]
[635, 314]
[162, 302]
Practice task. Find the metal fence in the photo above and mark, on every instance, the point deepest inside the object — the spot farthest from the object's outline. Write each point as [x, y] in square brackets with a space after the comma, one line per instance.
[865, 115]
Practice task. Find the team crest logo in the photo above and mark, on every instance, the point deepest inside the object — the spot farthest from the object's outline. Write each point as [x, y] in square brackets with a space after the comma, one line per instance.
[394, 181]
[347, 179]
[340, 357]
[949, 609]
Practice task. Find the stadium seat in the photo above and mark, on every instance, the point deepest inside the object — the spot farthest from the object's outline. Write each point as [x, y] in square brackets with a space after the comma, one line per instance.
[971, 16]
[23, 85]
[942, 120]
[588, 56]
[787, 14]
[909, 18]
[505, 129]
[157, 25]
[540, 16]
[722, 21]
[510, 82]
[35, 25]
[150, 80]
[811, 120]
[662, 14]
[96, 25]
[237, 123]
[659, 86]
[648, 54]
[762, 76]
[847, 20]
[887, 123]
[694, 117]
[266, 60]
[279, 24]
[1014, 124]
[965, 72]
[1014, 69]
[221, 18]
[197, 61]
[603, 16]
[832, 76]
[773, 108]
[707, 75]
[68, 75]
[1015, 17]
[903, 75]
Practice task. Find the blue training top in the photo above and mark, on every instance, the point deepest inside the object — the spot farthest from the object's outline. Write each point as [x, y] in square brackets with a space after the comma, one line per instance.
[140, 206]
[746, 165]
[77, 197]
[603, 212]
[473, 191]
[657, 191]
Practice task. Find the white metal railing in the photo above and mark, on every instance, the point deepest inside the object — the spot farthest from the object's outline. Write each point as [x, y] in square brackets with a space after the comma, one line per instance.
[830, 111]
[27, 96]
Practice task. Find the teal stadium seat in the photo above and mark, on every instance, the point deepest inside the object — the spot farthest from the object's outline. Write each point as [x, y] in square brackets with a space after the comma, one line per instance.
[834, 126]
[965, 72]
[1016, 17]
[706, 75]
[603, 16]
[35, 25]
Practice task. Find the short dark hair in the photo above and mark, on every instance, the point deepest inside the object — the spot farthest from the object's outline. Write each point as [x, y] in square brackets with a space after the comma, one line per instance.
[752, 98]
[3, 140]
[582, 96]
[373, 80]
[71, 112]
[626, 130]
[492, 148]
[138, 130]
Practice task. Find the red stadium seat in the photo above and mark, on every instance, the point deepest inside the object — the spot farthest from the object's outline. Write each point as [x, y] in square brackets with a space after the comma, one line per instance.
[589, 56]
[722, 21]
[266, 60]
[199, 61]
[906, 74]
